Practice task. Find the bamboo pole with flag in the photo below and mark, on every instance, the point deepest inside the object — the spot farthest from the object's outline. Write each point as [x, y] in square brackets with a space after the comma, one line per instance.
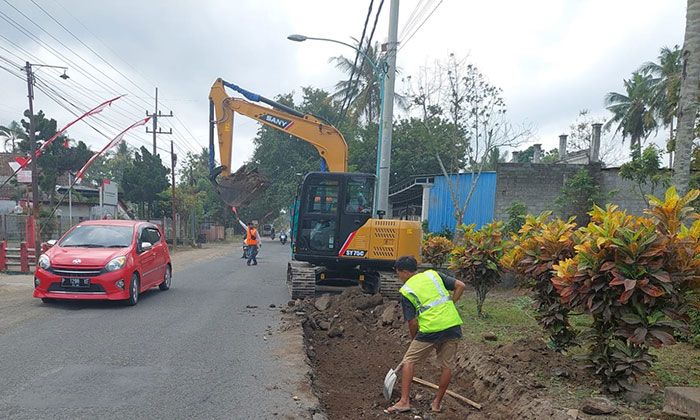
[25, 161]
[79, 175]
[116, 140]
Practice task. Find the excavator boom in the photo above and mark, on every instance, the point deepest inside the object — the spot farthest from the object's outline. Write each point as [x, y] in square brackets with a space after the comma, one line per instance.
[237, 189]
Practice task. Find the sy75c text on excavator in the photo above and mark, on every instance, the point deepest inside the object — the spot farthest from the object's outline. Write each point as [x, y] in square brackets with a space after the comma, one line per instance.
[335, 240]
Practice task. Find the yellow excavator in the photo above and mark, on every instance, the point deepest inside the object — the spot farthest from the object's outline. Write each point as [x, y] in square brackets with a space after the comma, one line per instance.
[335, 240]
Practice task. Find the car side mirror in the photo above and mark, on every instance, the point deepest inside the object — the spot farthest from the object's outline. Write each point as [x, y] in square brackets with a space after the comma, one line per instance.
[51, 242]
[145, 246]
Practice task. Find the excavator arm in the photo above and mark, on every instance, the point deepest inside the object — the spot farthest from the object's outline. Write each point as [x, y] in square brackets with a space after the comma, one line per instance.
[327, 140]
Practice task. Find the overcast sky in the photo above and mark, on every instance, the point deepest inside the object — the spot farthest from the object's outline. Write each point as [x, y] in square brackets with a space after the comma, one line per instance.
[552, 58]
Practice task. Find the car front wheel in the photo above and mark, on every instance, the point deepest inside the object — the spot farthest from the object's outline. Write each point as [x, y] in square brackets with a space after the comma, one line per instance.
[167, 279]
[133, 291]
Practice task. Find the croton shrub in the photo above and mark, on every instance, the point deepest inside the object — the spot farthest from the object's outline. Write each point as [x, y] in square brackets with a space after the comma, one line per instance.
[477, 259]
[436, 249]
[538, 246]
[632, 275]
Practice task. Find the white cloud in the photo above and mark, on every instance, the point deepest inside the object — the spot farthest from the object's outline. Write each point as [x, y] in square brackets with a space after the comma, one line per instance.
[551, 57]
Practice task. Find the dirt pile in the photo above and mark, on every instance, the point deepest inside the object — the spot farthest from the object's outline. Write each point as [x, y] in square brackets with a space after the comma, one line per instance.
[353, 339]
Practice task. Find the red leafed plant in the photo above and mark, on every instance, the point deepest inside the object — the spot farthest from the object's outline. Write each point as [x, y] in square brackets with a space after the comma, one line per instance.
[436, 249]
[478, 259]
[631, 274]
[539, 245]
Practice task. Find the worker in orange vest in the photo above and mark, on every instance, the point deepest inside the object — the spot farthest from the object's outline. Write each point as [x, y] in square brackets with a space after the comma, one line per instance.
[252, 241]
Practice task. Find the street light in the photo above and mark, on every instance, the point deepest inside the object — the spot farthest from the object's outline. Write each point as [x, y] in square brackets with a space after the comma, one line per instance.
[379, 73]
[32, 143]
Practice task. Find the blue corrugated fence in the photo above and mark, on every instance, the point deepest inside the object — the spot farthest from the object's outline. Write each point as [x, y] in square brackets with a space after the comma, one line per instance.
[481, 206]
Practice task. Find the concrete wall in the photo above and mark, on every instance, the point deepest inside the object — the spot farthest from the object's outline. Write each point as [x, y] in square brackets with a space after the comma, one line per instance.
[535, 185]
[624, 193]
[539, 185]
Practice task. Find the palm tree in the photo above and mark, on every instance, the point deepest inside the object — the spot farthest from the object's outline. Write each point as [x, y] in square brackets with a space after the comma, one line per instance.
[363, 90]
[11, 134]
[688, 99]
[666, 89]
[633, 112]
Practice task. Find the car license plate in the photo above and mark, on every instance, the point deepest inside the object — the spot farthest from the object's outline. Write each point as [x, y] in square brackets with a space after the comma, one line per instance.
[75, 282]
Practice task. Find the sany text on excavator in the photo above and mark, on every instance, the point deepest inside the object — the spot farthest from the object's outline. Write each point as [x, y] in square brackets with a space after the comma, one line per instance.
[335, 240]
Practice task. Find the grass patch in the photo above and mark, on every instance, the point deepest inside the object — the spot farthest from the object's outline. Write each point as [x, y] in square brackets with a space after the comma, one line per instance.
[511, 317]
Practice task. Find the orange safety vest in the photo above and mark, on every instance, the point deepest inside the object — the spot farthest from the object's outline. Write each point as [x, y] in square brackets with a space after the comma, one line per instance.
[251, 237]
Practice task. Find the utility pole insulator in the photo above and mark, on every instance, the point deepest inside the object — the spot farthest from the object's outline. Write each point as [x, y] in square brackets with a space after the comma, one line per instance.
[157, 114]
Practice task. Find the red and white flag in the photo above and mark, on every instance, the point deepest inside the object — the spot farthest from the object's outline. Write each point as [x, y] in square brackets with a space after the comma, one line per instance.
[112, 143]
[24, 161]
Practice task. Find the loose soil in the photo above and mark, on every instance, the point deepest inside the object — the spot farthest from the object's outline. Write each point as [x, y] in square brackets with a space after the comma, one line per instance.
[353, 339]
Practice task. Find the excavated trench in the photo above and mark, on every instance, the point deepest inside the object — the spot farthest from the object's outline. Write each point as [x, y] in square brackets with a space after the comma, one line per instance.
[353, 339]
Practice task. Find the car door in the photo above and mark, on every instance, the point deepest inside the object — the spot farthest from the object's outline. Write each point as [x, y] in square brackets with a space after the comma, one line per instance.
[159, 248]
[147, 259]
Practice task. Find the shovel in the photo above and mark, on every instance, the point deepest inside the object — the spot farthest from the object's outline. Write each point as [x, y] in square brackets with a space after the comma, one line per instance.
[389, 381]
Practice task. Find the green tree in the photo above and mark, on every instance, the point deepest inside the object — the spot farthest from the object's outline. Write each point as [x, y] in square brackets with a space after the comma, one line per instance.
[56, 159]
[578, 196]
[11, 135]
[416, 145]
[144, 180]
[633, 111]
[666, 85]
[364, 87]
[112, 165]
[551, 157]
[645, 171]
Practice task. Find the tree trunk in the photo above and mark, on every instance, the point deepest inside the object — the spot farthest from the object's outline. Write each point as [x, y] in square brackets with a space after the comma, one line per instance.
[688, 101]
[671, 149]
[481, 290]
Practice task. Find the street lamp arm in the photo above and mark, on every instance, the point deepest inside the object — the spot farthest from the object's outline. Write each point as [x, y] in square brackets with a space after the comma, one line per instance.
[301, 38]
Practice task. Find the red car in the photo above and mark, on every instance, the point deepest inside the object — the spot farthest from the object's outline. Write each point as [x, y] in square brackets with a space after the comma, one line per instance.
[104, 259]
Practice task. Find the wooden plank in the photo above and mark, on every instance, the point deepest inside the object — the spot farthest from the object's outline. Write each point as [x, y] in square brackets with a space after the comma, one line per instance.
[450, 393]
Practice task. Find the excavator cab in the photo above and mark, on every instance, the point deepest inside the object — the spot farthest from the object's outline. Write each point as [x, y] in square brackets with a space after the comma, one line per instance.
[332, 206]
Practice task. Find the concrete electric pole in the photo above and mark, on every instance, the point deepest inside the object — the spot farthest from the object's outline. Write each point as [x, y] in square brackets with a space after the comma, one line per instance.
[155, 116]
[173, 161]
[32, 145]
[388, 110]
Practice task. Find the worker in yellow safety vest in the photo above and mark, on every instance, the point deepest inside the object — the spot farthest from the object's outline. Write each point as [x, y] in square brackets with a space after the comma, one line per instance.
[433, 323]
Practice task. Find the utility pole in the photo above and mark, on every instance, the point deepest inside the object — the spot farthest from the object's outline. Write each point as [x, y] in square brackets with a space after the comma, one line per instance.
[32, 145]
[388, 109]
[155, 116]
[173, 161]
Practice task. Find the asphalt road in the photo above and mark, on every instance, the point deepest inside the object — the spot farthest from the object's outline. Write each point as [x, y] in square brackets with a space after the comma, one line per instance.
[199, 350]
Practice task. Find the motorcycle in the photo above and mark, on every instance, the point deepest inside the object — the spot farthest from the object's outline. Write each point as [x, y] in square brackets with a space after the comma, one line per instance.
[283, 238]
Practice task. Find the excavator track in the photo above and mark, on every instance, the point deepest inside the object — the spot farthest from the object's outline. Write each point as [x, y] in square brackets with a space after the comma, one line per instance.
[389, 285]
[301, 279]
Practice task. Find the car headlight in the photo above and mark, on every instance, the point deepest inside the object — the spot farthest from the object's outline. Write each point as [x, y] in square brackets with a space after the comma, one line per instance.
[44, 262]
[116, 264]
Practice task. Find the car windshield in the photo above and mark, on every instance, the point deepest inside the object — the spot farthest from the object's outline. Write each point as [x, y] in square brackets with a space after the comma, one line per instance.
[98, 237]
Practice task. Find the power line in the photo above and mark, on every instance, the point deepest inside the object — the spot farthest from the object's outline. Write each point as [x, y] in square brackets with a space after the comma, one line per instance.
[349, 91]
[411, 19]
[165, 102]
[420, 26]
[58, 54]
[367, 49]
[87, 46]
[116, 108]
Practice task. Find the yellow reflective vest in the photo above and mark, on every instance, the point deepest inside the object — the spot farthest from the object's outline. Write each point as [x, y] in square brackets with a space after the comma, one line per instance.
[436, 310]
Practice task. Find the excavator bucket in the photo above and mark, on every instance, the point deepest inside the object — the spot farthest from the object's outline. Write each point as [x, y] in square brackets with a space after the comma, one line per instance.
[239, 188]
